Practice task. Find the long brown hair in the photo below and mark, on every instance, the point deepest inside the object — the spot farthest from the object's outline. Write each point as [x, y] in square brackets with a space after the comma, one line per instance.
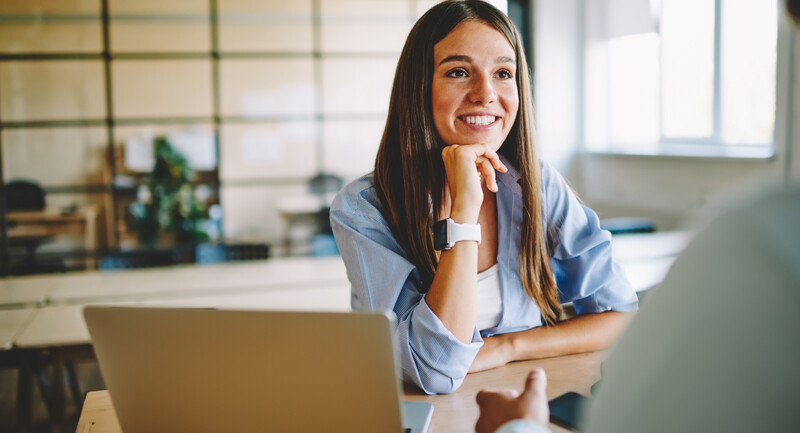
[409, 173]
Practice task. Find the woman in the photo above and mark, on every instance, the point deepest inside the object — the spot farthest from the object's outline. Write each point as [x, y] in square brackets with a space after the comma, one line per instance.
[458, 145]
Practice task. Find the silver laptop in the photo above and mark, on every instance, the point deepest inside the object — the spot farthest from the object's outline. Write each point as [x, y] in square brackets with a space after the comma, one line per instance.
[190, 370]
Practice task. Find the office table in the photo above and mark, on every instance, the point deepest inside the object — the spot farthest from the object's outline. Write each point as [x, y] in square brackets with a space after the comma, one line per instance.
[12, 323]
[195, 280]
[26, 292]
[456, 412]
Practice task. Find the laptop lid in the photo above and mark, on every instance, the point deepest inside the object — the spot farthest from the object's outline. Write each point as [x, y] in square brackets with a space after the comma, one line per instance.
[191, 370]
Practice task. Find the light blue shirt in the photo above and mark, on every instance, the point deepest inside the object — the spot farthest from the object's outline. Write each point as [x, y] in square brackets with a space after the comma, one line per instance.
[522, 426]
[382, 278]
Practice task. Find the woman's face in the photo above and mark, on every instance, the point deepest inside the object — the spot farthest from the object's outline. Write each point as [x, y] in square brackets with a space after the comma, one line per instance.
[474, 91]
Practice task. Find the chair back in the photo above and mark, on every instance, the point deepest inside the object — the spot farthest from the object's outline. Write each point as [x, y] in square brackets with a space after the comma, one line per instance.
[24, 195]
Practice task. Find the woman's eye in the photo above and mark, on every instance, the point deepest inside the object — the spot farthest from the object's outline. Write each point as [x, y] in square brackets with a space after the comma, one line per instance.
[457, 73]
[504, 74]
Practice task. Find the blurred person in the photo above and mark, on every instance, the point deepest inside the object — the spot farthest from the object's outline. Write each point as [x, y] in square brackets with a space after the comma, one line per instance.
[715, 348]
[461, 231]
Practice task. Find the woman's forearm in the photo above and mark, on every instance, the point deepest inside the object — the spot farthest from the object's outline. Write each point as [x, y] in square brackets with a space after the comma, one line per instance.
[452, 295]
[584, 333]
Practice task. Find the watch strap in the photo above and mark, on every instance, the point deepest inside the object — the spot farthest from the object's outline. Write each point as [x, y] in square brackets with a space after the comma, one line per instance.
[447, 232]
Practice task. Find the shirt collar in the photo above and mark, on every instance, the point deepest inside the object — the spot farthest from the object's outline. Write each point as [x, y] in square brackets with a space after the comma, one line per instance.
[509, 179]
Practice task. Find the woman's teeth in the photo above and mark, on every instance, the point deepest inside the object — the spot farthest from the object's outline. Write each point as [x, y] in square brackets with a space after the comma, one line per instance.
[479, 120]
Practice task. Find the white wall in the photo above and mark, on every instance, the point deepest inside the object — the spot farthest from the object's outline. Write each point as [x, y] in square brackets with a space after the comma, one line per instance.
[557, 73]
[668, 189]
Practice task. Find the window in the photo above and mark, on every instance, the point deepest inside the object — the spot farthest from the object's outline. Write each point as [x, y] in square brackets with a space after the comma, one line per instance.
[681, 76]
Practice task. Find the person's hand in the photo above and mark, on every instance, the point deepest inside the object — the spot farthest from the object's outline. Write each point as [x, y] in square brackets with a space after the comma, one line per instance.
[495, 352]
[503, 405]
[465, 166]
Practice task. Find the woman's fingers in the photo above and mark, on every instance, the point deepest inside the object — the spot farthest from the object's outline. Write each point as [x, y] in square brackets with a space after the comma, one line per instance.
[486, 169]
[475, 153]
[494, 158]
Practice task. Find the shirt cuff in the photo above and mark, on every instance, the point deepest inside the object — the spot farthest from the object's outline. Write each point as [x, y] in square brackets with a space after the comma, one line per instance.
[522, 426]
[436, 360]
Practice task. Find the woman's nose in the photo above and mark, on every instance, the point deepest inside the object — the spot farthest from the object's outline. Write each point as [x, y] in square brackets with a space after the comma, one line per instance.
[482, 90]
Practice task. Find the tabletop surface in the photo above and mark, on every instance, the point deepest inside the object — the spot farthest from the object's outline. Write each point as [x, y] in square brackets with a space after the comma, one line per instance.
[456, 412]
[12, 324]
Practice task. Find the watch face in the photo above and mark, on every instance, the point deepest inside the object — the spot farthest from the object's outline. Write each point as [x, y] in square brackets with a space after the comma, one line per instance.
[440, 235]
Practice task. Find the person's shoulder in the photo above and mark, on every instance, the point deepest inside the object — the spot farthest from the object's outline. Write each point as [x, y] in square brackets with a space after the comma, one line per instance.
[358, 196]
[549, 174]
[769, 218]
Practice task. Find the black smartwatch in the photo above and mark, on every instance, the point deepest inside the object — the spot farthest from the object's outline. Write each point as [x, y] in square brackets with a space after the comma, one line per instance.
[447, 232]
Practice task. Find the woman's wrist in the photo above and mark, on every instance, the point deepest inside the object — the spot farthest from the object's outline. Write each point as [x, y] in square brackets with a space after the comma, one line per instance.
[465, 215]
[510, 343]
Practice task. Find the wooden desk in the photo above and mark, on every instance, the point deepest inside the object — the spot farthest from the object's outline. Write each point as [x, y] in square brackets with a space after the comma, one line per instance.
[455, 412]
[30, 226]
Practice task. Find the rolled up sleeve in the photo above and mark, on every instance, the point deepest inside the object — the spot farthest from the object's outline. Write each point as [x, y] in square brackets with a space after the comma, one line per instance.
[431, 356]
[383, 279]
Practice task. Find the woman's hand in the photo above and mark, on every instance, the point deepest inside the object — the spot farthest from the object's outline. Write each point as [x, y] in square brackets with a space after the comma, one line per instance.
[465, 165]
[495, 352]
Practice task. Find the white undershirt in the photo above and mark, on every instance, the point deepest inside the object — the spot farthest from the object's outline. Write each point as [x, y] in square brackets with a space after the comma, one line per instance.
[490, 306]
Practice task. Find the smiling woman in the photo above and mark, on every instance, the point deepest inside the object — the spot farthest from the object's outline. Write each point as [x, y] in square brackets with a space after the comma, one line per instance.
[461, 231]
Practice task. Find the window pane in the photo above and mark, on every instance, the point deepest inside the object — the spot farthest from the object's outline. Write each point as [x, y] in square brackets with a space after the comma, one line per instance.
[153, 88]
[156, 34]
[257, 25]
[748, 58]
[55, 156]
[687, 43]
[155, 25]
[252, 211]
[268, 151]
[50, 26]
[49, 6]
[633, 89]
[350, 146]
[133, 150]
[365, 26]
[273, 87]
[52, 90]
[357, 86]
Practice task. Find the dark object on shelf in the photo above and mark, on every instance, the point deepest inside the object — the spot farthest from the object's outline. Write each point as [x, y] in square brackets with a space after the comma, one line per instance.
[216, 253]
[23, 195]
[137, 259]
[324, 183]
[31, 265]
[618, 226]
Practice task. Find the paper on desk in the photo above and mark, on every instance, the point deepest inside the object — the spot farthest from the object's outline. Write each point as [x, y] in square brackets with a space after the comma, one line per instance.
[197, 145]
[139, 155]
